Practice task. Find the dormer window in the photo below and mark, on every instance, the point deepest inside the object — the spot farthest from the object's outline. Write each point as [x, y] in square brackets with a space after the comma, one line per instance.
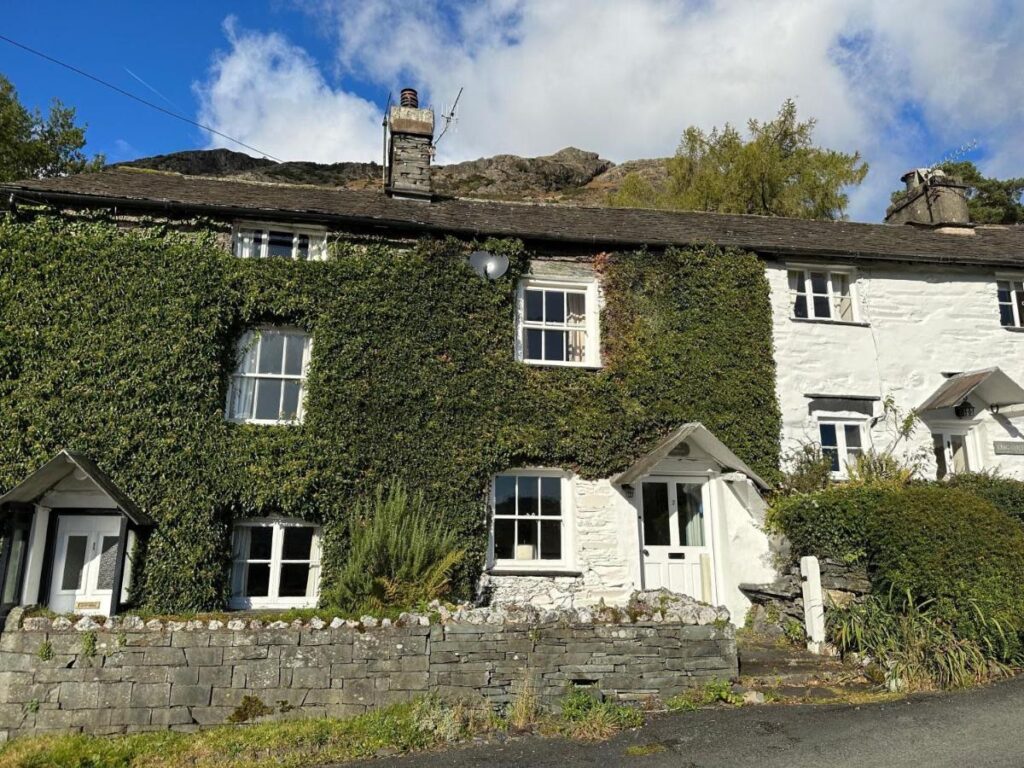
[278, 241]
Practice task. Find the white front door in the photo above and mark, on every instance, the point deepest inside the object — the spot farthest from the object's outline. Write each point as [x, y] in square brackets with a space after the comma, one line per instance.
[84, 563]
[675, 535]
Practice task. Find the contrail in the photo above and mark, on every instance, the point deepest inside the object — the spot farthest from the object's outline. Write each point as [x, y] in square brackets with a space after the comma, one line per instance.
[154, 90]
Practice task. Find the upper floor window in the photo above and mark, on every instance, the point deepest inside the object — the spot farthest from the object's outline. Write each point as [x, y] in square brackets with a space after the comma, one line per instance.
[822, 295]
[268, 382]
[841, 442]
[529, 526]
[275, 564]
[558, 323]
[271, 241]
[1011, 303]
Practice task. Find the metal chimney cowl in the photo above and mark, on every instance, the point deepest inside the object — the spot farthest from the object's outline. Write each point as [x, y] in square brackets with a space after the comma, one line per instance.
[410, 148]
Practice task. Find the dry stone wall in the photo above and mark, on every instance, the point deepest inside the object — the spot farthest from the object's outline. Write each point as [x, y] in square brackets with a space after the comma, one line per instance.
[133, 676]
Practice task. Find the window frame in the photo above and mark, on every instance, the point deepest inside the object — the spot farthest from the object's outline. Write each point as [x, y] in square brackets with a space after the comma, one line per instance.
[842, 448]
[833, 298]
[241, 349]
[272, 599]
[244, 249]
[510, 566]
[1016, 302]
[591, 326]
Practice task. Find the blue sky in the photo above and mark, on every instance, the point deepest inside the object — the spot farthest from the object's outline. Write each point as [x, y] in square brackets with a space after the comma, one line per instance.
[307, 80]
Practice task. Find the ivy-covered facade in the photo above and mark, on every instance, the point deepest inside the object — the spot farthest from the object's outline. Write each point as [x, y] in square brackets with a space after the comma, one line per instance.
[590, 421]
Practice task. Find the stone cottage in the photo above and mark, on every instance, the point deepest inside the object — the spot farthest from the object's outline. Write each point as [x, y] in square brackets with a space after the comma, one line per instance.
[925, 309]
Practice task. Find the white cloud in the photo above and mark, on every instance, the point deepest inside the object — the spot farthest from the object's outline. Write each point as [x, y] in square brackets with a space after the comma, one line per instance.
[271, 95]
[625, 78]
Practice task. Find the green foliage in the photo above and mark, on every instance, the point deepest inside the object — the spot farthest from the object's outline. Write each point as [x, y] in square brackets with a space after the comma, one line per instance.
[45, 652]
[1003, 492]
[584, 716]
[119, 343]
[32, 146]
[88, 645]
[943, 545]
[712, 692]
[420, 725]
[989, 200]
[913, 644]
[249, 708]
[776, 172]
[398, 555]
[807, 470]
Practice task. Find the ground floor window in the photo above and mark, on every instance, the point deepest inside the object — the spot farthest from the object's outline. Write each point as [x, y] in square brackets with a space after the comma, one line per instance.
[841, 442]
[276, 564]
[529, 522]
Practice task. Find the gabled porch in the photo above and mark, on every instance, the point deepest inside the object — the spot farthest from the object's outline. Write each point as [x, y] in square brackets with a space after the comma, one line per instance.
[67, 538]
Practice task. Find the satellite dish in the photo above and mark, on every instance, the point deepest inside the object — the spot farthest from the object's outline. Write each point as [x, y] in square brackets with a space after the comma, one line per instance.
[488, 265]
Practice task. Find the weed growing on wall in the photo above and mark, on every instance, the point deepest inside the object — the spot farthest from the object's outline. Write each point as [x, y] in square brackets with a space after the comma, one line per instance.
[118, 343]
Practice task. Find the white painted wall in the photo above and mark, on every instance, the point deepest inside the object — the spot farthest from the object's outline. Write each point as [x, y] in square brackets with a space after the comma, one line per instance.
[918, 321]
[607, 545]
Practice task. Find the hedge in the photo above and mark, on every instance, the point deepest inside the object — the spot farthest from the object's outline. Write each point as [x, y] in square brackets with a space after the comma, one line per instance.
[1003, 492]
[932, 541]
[118, 342]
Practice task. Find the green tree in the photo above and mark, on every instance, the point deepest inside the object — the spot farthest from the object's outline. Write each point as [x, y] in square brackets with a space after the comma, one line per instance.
[989, 200]
[32, 146]
[777, 171]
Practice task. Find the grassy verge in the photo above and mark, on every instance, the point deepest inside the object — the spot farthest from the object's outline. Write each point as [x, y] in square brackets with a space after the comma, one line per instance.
[428, 723]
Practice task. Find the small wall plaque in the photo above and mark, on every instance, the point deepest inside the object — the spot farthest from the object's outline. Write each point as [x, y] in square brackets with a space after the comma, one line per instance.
[1008, 447]
[87, 605]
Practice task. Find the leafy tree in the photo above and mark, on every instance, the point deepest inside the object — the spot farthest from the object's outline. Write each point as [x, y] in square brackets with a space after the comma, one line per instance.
[776, 172]
[989, 200]
[32, 146]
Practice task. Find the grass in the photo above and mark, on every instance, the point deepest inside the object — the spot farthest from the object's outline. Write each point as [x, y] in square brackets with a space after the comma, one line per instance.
[711, 693]
[427, 723]
[643, 750]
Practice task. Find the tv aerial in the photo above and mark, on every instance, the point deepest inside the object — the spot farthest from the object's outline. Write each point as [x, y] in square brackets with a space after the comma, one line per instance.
[488, 265]
[449, 117]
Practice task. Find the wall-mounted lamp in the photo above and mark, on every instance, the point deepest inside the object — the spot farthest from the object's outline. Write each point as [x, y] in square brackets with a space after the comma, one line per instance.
[627, 490]
[994, 408]
[964, 411]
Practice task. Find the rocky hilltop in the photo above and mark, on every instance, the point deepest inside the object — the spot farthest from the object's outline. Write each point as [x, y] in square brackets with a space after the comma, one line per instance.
[569, 176]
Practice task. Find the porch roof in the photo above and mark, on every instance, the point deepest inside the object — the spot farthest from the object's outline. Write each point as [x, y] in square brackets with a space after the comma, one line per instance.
[60, 466]
[700, 436]
[991, 385]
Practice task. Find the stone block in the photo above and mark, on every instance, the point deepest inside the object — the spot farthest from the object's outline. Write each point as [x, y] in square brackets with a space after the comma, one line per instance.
[190, 695]
[211, 715]
[408, 681]
[146, 639]
[228, 697]
[165, 657]
[259, 674]
[216, 676]
[194, 638]
[171, 716]
[304, 656]
[150, 695]
[244, 653]
[183, 675]
[204, 657]
[12, 661]
[310, 677]
[277, 637]
[144, 674]
[132, 716]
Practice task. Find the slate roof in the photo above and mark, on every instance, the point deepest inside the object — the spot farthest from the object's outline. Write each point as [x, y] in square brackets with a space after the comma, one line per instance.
[611, 228]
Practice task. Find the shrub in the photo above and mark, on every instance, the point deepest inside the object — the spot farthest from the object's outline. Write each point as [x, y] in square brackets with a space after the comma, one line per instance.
[953, 551]
[808, 470]
[913, 643]
[712, 692]
[400, 554]
[1004, 493]
[588, 718]
[831, 523]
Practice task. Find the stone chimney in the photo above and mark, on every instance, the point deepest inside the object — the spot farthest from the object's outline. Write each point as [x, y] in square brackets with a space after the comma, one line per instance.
[932, 200]
[409, 148]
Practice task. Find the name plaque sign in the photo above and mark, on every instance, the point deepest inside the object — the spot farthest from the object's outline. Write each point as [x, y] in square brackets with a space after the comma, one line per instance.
[1008, 447]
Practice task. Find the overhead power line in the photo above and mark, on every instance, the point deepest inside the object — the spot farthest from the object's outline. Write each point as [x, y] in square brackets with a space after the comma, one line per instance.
[139, 99]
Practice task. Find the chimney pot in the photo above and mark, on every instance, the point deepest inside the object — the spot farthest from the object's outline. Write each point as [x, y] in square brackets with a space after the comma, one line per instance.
[410, 98]
[932, 199]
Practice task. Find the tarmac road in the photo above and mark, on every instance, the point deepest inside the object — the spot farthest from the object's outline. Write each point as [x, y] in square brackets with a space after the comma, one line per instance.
[981, 728]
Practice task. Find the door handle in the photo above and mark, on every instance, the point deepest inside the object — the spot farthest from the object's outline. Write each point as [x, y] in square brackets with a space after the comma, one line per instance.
[646, 553]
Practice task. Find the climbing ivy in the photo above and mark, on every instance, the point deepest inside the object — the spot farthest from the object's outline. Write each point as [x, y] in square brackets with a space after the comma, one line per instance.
[118, 342]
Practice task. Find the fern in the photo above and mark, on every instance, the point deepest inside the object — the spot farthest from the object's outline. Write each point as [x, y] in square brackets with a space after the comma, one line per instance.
[399, 557]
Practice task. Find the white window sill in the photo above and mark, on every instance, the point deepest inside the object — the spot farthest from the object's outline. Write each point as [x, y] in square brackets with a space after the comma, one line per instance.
[557, 364]
[270, 604]
[823, 321]
[532, 569]
[266, 422]
[1013, 328]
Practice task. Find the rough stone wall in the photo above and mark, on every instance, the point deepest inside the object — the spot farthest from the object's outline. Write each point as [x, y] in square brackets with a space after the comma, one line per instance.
[917, 322]
[187, 675]
[410, 164]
